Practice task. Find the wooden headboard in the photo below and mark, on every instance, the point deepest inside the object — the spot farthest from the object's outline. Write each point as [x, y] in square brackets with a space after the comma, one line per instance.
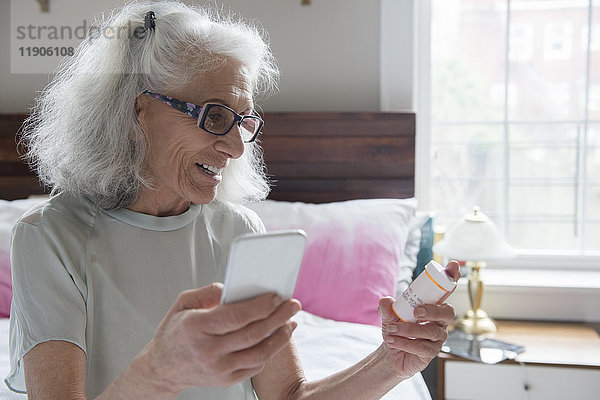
[16, 180]
[323, 157]
[311, 157]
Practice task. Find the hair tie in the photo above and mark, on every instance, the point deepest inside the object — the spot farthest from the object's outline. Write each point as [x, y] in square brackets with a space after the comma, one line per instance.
[149, 20]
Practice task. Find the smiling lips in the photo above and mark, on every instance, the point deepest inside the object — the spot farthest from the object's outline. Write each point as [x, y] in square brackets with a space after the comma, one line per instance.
[210, 170]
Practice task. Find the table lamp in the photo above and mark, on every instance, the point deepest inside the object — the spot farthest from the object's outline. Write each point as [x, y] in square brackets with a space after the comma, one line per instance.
[475, 239]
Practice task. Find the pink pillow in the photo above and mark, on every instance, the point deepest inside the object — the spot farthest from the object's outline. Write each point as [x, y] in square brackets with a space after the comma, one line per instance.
[353, 254]
[10, 211]
[5, 284]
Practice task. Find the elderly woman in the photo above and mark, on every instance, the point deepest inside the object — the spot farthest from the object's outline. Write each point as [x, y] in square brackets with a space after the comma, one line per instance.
[147, 137]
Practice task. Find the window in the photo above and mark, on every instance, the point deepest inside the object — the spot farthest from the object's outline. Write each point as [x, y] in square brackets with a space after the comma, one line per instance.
[514, 120]
[594, 39]
[522, 40]
[558, 37]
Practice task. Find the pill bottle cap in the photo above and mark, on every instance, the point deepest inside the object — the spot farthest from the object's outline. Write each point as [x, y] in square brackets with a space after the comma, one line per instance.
[437, 273]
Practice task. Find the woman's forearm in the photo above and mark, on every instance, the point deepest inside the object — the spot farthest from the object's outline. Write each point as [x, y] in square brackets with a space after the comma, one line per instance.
[371, 378]
[138, 381]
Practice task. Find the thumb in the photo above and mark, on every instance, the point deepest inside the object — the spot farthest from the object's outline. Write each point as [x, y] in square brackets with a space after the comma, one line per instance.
[385, 310]
[205, 297]
[453, 272]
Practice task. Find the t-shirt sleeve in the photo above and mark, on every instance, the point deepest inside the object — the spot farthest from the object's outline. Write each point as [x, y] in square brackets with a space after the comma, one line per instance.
[252, 221]
[48, 294]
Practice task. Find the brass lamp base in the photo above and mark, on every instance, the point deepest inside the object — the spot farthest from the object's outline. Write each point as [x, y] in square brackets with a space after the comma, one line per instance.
[475, 323]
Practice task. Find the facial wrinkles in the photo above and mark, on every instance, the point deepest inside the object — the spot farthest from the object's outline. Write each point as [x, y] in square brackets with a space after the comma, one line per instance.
[235, 93]
[184, 141]
[189, 147]
[238, 97]
[230, 86]
[177, 143]
[169, 139]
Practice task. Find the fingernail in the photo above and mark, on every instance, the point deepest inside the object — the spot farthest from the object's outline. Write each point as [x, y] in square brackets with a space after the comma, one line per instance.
[276, 299]
[293, 326]
[421, 312]
[389, 339]
[391, 328]
[295, 307]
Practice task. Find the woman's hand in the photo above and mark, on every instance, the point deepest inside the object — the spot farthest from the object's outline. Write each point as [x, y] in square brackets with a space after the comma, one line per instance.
[203, 343]
[410, 347]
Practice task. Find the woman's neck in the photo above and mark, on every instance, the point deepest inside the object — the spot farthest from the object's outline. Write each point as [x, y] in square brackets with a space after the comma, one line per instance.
[151, 202]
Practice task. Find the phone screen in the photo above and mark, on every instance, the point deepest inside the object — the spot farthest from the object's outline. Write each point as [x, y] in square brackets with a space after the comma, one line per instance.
[261, 263]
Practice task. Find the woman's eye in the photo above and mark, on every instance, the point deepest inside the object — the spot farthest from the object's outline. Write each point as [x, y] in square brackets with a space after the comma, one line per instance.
[214, 118]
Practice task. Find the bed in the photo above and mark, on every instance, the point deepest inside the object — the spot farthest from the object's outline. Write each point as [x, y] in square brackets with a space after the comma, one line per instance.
[347, 178]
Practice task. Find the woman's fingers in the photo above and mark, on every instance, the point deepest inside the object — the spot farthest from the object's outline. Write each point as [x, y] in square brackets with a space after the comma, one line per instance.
[200, 298]
[228, 318]
[241, 375]
[255, 332]
[441, 314]
[424, 349]
[428, 331]
[257, 355]
[239, 366]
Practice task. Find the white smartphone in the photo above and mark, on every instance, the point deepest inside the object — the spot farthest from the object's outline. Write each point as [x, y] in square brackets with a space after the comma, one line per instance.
[263, 263]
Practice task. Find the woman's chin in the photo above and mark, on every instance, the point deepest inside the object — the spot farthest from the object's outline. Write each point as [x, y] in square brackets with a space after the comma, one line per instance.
[204, 196]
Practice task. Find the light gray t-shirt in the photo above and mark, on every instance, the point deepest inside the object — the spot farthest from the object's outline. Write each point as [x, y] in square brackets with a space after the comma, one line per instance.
[104, 280]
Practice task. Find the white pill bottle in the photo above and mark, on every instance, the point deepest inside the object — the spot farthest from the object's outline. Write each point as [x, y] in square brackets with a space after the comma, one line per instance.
[428, 288]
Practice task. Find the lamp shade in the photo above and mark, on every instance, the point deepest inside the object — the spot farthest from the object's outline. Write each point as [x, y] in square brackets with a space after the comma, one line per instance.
[474, 238]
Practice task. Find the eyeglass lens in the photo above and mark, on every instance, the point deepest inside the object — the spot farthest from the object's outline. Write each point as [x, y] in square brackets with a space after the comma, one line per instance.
[220, 120]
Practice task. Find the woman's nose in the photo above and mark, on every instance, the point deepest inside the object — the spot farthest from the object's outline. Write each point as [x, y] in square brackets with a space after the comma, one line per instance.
[231, 144]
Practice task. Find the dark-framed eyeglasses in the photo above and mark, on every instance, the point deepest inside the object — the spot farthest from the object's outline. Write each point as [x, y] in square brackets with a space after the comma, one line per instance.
[215, 118]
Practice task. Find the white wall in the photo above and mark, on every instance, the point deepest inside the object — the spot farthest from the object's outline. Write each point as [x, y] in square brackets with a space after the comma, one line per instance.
[329, 52]
[16, 91]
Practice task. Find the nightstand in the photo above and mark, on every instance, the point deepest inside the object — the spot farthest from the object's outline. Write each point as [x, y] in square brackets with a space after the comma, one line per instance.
[560, 361]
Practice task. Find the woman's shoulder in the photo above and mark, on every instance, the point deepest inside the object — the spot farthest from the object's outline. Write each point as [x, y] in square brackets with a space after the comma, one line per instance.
[60, 211]
[242, 218]
[57, 228]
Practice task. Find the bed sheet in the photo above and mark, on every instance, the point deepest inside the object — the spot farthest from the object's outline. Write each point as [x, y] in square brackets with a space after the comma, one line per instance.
[324, 346]
[6, 394]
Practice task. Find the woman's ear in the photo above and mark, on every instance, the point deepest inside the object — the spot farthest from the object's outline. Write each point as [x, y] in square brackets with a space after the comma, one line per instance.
[137, 106]
[139, 109]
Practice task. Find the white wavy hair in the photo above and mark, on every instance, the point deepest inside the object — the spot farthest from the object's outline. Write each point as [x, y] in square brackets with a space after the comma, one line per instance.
[82, 135]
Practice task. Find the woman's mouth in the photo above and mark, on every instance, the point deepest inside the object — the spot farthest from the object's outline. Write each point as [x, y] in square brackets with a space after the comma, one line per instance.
[210, 169]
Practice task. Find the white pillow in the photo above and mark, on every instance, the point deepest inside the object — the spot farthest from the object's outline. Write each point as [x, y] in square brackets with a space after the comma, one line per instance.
[10, 211]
